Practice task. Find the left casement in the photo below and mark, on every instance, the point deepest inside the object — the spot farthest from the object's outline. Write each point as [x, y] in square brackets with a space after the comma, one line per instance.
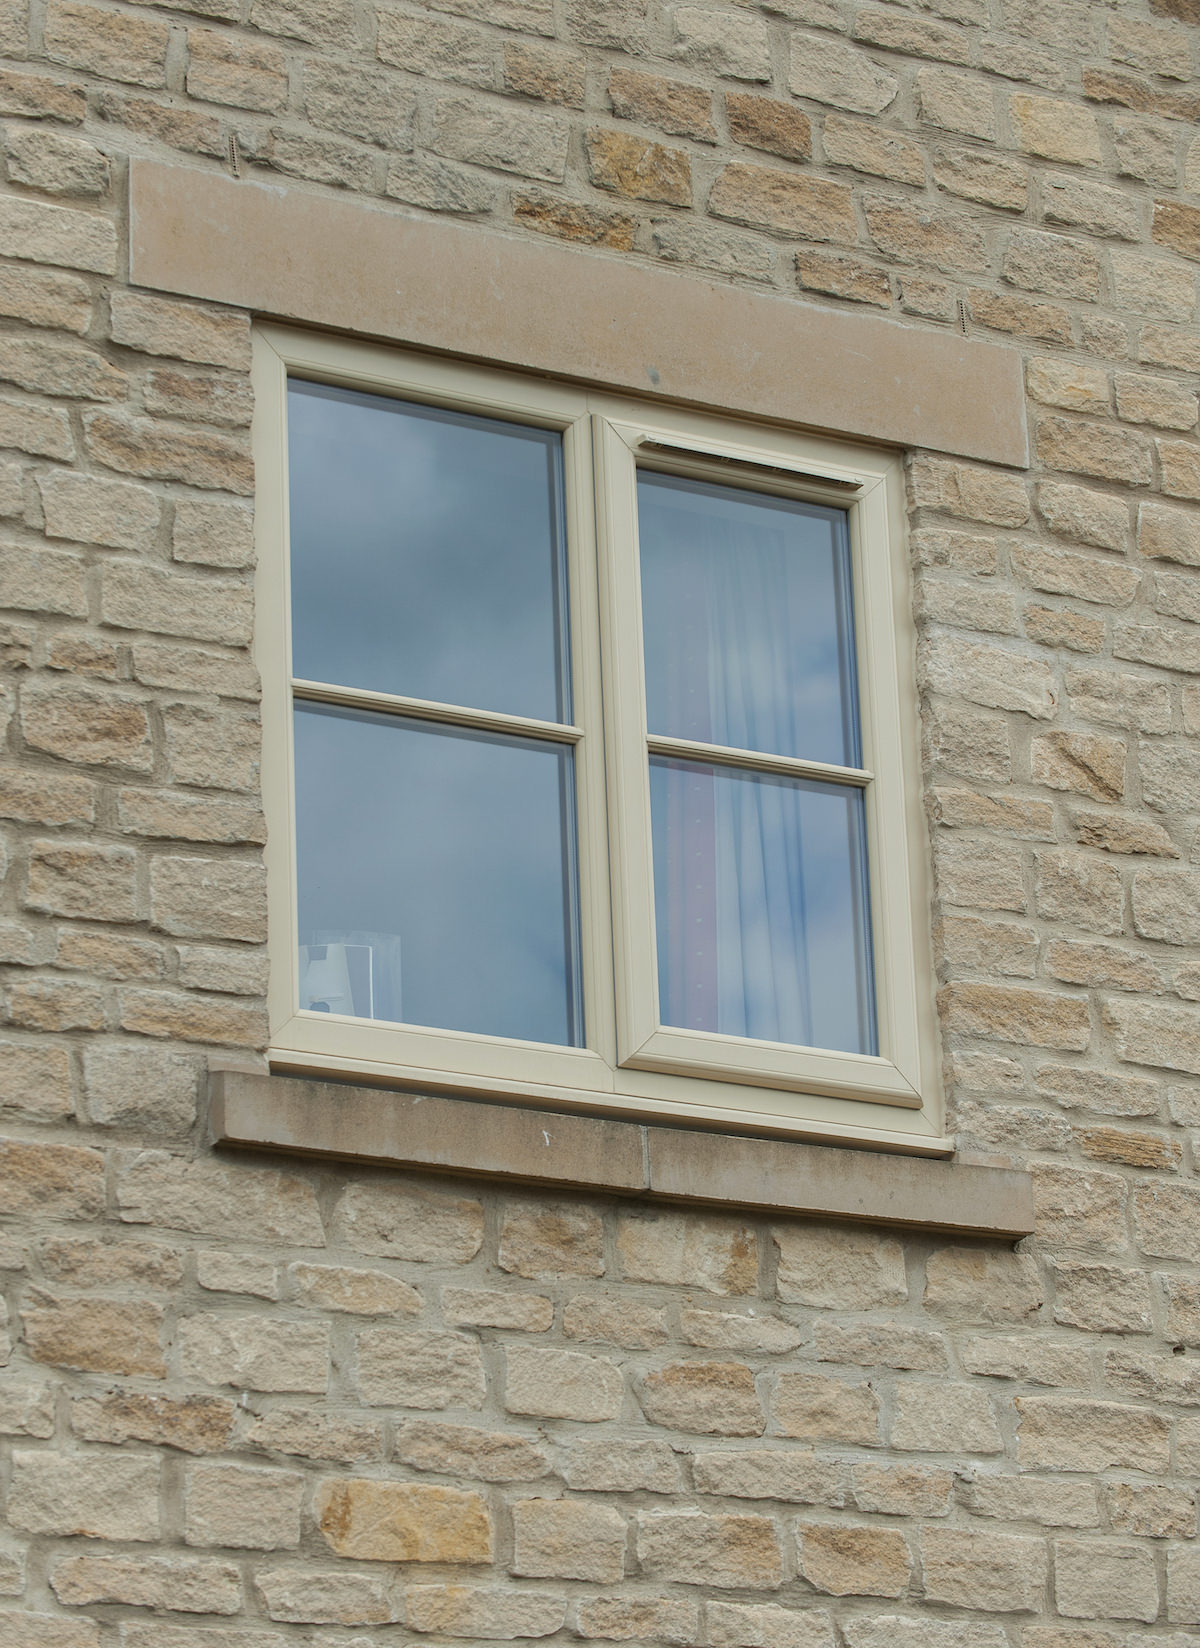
[589, 750]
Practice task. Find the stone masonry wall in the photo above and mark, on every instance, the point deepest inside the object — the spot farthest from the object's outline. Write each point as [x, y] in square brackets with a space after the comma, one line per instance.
[256, 1404]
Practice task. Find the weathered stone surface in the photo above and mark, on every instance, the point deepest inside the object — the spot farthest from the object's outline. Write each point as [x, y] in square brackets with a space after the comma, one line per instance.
[1105, 1581]
[50, 1181]
[193, 1424]
[374, 1521]
[983, 1570]
[479, 1611]
[307, 1596]
[723, 1551]
[542, 1240]
[568, 1539]
[638, 169]
[839, 1268]
[615, 1321]
[814, 1406]
[688, 1250]
[785, 203]
[932, 1418]
[831, 71]
[94, 1334]
[561, 1384]
[256, 1352]
[1057, 1433]
[461, 1450]
[843, 1560]
[419, 1368]
[706, 1397]
[99, 1496]
[182, 1584]
[401, 1221]
[1004, 1013]
[792, 1475]
[210, 1198]
[316, 1434]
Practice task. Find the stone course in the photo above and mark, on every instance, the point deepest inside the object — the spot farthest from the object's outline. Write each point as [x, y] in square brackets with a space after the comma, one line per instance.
[269, 1404]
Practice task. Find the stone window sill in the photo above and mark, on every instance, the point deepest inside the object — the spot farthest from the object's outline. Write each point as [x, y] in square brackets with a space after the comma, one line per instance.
[386, 1128]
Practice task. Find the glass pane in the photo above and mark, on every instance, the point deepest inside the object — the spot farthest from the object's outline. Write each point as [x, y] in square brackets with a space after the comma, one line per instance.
[427, 553]
[760, 902]
[746, 612]
[436, 872]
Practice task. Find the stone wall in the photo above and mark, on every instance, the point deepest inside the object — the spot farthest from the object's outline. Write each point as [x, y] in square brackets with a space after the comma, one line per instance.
[256, 1404]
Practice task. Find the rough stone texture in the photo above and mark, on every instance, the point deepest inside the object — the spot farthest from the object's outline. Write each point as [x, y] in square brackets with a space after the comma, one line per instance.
[239, 1392]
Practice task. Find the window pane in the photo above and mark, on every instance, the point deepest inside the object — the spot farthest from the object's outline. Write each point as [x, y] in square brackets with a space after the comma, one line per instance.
[760, 903]
[747, 620]
[436, 872]
[427, 553]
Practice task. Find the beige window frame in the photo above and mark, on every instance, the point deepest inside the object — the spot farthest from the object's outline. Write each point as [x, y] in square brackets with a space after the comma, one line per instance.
[630, 1064]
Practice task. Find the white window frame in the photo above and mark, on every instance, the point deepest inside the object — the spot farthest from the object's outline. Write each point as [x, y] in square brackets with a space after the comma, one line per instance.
[630, 1064]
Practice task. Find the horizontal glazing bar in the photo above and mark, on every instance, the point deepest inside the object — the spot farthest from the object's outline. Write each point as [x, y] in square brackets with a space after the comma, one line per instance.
[323, 692]
[687, 749]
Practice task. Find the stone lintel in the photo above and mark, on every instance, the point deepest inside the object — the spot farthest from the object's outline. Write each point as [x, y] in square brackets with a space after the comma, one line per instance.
[388, 1128]
[292, 253]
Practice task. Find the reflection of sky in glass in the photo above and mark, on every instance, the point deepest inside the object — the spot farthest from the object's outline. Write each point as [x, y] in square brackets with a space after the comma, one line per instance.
[427, 553]
[746, 615]
[459, 845]
[760, 902]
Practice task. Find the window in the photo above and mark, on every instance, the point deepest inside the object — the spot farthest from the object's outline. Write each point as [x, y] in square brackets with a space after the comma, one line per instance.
[588, 750]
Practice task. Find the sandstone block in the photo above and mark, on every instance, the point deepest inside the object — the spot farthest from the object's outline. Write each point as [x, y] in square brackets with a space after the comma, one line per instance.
[388, 1220]
[956, 102]
[187, 1016]
[358, 1292]
[902, 1490]
[844, 277]
[81, 880]
[832, 71]
[1022, 1358]
[1058, 1433]
[784, 203]
[766, 123]
[693, 1250]
[243, 1506]
[28, 1630]
[1075, 1088]
[306, 1596]
[977, 1570]
[96, 1335]
[85, 725]
[42, 431]
[611, 1466]
[220, 1271]
[321, 22]
[879, 1345]
[35, 1081]
[514, 140]
[1167, 1220]
[922, 236]
[989, 675]
[705, 1397]
[621, 1619]
[1055, 129]
[254, 1352]
[1177, 226]
[1079, 1209]
[790, 1474]
[985, 875]
[181, 1584]
[842, 1560]
[1086, 516]
[62, 235]
[546, 1240]
[1056, 1504]
[497, 1308]
[481, 1612]
[1075, 385]
[1009, 1013]
[724, 41]
[932, 1418]
[1183, 1585]
[44, 297]
[1147, 1033]
[1152, 1511]
[419, 1368]
[546, 72]
[85, 509]
[814, 1406]
[1073, 888]
[568, 1539]
[567, 220]
[208, 898]
[243, 74]
[722, 1551]
[460, 1450]
[213, 749]
[839, 1268]
[1105, 1580]
[1089, 577]
[134, 596]
[1098, 449]
[119, 46]
[193, 1424]
[212, 1199]
[724, 1330]
[615, 1321]
[95, 1495]
[377, 1521]
[50, 1181]
[316, 1433]
[561, 1384]
[157, 449]
[891, 1631]
[1166, 905]
[438, 186]
[1179, 463]
[437, 49]
[1170, 775]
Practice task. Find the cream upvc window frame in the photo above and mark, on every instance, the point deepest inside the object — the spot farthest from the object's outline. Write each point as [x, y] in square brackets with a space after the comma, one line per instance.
[630, 1064]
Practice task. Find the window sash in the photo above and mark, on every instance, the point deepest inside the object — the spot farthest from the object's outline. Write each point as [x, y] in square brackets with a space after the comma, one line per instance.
[630, 1063]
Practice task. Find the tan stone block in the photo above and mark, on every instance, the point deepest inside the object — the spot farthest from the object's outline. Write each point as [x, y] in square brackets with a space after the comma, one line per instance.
[1147, 1033]
[29, 1630]
[891, 1631]
[1101, 966]
[99, 1496]
[403, 1522]
[1171, 346]
[208, 898]
[321, 22]
[560, 1384]
[620, 1619]
[545, 72]
[254, 1352]
[784, 202]
[706, 1397]
[1025, 1359]
[1093, 449]
[842, 1560]
[672, 105]
[214, 749]
[177, 815]
[27, 1410]
[935, 1418]
[1062, 572]
[567, 220]
[220, 1271]
[96, 1335]
[41, 233]
[36, 97]
[956, 102]
[766, 123]
[1177, 226]
[984, 178]
[1156, 401]
[497, 1308]
[838, 1267]
[1166, 905]
[814, 1406]
[246, 1507]
[1170, 773]
[134, 596]
[87, 725]
[182, 1584]
[615, 1321]
[192, 1017]
[612, 1466]
[213, 534]
[1027, 1499]
[359, 1292]
[879, 1344]
[56, 1004]
[844, 277]
[723, 1330]
[1158, 287]
[1183, 1309]
[35, 1081]
[989, 675]
[902, 1490]
[461, 1450]
[72, 370]
[979, 1570]
[1008, 1013]
[82, 1262]
[695, 1250]
[1101, 1298]
[157, 449]
[479, 1612]
[309, 1596]
[723, 41]
[1179, 463]
[794, 1475]
[419, 1369]
[926, 237]
[50, 1181]
[832, 71]
[390, 1220]
[981, 874]
[436, 49]
[117, 46]
[438, 186]
[192, 669]
[1169, 532]
[1079, 1209]
[721, 1551]
[82, 880]
[968, 741]
[1105, 1580]
[1076, 385]
[1057, 1433]
[1073, 888]
[511, 139]
[1167, 1220]
[863, 146]
[42, 431]
[193, 1424]
[546, 1240]
[765, 1625]
[44, 297]
[213, 1199]
[568, 1539]
[1006, 814]
[245, 74]
[1119, 700]
[315, 1433]
[638, 169]
[1005, 312]
[1086, 516]
[1054, 129]
[39, 580]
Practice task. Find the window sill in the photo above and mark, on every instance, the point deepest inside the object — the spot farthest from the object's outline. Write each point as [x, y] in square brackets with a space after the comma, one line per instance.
[387, 1128]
